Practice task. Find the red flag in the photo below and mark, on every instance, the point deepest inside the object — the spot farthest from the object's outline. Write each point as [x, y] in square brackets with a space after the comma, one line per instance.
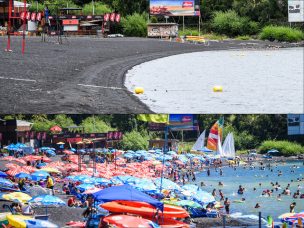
[117, 18]
[39, 16]
[33, 16]
[112, 17]
[28, 15]
[106, 17]
[22, 15]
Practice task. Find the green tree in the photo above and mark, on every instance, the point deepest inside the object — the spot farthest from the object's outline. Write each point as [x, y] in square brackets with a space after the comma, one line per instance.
[135, 140]
[135, 25]
[95, 124]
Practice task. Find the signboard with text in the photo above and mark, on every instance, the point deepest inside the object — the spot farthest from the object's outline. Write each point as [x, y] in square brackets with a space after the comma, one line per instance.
[174, 7]
[295, 124]
[295, 10]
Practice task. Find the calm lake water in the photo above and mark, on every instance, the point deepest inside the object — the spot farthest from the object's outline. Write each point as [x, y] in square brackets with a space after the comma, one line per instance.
[261, 81]
[251, 178]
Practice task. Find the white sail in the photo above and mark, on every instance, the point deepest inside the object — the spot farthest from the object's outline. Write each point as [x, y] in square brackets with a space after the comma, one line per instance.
[228, 147]
[219, 147]
[200, 142]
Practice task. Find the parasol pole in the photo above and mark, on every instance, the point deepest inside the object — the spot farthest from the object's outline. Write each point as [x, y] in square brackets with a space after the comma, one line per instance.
[8, 47]
[24, 26]
[164, 151]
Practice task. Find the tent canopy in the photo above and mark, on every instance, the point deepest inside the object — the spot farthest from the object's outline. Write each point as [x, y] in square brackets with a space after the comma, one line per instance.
[126, 192]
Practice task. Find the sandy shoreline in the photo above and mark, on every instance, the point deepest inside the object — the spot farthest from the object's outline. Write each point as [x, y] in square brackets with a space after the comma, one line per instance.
[86, 75]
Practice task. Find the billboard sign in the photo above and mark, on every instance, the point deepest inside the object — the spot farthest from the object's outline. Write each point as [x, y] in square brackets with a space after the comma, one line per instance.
[295, 11]
[295, 124]
[177, 122]
[173, 7]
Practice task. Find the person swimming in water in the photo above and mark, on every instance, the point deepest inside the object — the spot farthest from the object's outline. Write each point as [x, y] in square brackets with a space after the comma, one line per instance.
[257, 205]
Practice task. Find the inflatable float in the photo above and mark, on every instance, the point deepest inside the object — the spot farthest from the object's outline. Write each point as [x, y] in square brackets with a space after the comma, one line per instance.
[3, 218]
[144, 209]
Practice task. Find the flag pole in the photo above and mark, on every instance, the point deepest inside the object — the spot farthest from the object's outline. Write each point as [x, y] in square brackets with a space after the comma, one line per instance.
[164, 151]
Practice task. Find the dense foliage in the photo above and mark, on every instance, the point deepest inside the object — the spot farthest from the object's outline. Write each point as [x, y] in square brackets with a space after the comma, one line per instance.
[135, 140]
[135, 25]
[230, 17]
[281, 33]
[231, 24]
[249, 131]
[285, 148]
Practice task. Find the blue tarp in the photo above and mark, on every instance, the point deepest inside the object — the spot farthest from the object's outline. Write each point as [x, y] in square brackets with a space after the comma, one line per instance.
[126, 192]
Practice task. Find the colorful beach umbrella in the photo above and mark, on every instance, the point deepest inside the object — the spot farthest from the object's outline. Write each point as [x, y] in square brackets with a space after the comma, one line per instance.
[16, 196]
[23, 175]
[6, 183]
[46, 200]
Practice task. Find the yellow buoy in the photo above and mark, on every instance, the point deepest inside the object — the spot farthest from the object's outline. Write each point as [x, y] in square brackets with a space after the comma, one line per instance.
[217, 89]
[139, 90]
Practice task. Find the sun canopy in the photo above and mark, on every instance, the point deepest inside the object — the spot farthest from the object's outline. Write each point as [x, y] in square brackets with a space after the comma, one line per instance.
[126, 192]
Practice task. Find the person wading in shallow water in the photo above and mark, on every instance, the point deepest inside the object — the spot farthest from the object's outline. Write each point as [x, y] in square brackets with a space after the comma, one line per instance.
[227, 206]
[292, 207]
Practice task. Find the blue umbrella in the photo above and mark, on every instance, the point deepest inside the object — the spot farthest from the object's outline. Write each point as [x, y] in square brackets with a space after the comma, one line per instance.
[88, 180]
[166, 184]
[38, 175]
[203, 197]
[84, 187]
[23, 175]
[102, 181]
[2, 174]
[6, 182]
[71, 178]
[50, 152]
[46, 200]
[72, 149]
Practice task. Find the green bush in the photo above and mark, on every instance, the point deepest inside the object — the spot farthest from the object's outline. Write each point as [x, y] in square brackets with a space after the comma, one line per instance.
[285, 148]
[281, 33]
[135, 25]
[99, 9]
[135, 140]
[231, 24]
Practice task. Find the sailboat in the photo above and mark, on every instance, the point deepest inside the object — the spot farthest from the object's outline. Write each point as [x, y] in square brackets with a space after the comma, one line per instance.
[228, 149]
[199, 144]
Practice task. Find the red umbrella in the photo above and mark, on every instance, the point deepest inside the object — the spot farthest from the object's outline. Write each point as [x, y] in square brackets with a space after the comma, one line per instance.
[55, 129]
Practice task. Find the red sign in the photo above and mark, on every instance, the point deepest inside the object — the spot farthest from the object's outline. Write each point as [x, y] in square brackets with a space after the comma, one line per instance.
[106, 17]
[74, 140]
[33, 16]
[117, 18]
[39, 16]
[112, 17]
[114, 135]
[28, 15]
[187, 4]
[22, 15]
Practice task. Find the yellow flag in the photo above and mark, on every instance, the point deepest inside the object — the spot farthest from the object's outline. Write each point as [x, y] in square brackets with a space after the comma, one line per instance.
[154, 118]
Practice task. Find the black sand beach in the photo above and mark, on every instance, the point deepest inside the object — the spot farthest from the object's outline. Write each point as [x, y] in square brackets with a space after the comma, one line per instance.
[85, 75]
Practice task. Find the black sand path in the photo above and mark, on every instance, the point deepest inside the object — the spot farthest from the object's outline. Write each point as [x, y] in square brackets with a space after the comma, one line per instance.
[84, 75]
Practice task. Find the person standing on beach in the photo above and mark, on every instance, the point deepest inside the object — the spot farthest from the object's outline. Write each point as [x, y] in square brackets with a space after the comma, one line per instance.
[227, 206]
[208, 172]
[50, 184]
